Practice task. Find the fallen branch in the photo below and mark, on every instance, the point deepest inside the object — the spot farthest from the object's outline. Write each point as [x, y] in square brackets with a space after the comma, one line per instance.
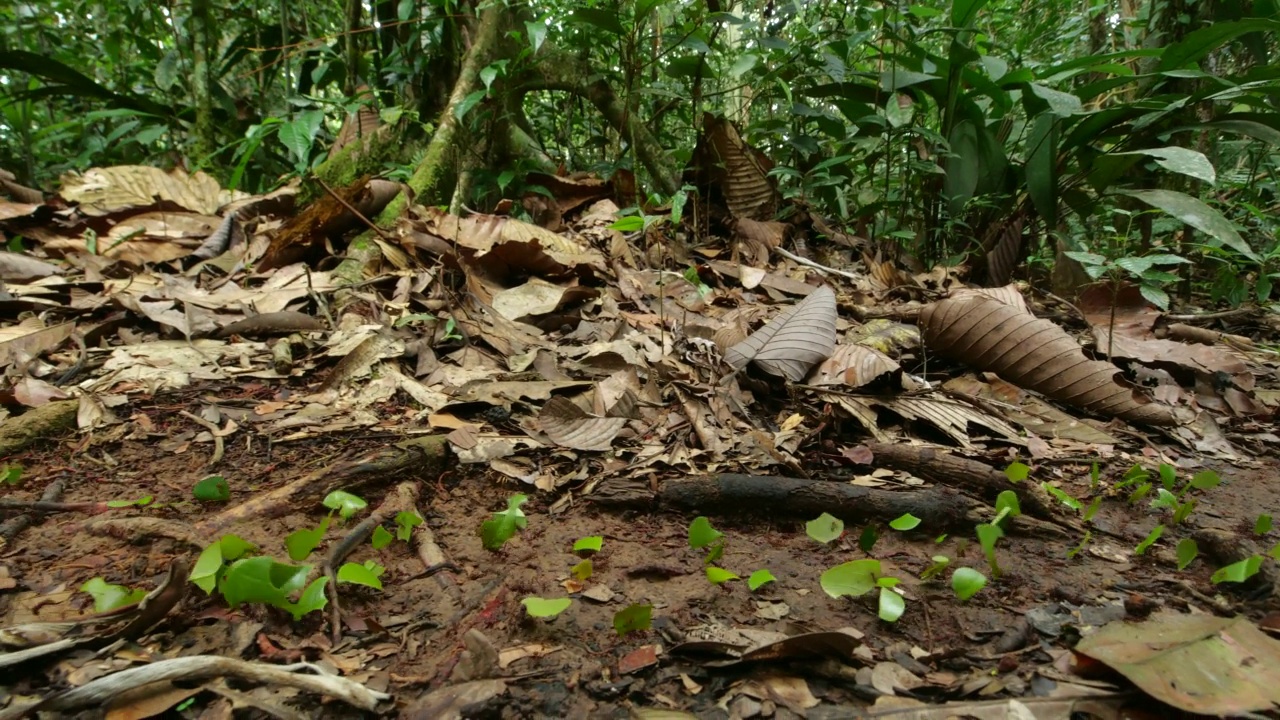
[10, 528]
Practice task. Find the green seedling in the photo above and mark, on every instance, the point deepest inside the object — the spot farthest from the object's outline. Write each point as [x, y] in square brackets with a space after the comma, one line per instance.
[406, 521]
[966, 582]
[905, 522]
[824, 528]
[108, 597]
[11, 475]
[633, 618]
[1238, 572]
[1187, 552]
[345, 503]
[1136, 475]
[589, 545]
[503, 526]
[987, 537]
[381, 538]
[719, 576]
[938, 564]
[538, 607]
[1166, 498]
[212, 489]
[1150, 540]
[1017, 472]
[758, 579]
[368, 574]
[301, 543]
[1262, 525]
[451, 331]
[583, 570]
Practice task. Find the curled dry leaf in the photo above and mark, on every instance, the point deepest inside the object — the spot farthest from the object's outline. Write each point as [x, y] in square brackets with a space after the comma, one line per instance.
[794, 341]
[854, 366]
[1035, 354]
[570, 426]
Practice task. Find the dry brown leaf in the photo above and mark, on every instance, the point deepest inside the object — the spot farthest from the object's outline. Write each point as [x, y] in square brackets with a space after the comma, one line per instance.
[101, 191]
[794, 341]
[854, 366]
[570, 426]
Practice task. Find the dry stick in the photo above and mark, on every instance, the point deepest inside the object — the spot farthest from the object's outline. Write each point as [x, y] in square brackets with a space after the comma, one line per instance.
[404, 497]
[219, 447]
[814, 265]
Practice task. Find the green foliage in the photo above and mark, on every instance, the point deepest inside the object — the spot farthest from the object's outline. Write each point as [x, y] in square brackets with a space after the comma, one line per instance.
[719, 576]
[868, 538]
[300, 543]
[1084, 542]
[966, 582]
[503, 526]
[936, 566]
[588, 545]
[11, 475]
[1262, 525]
[825, 528]
[905, 522]
[1187, 551]
[1149, 540]
[107, 597]
[1238, 572]
[633, 618]
[263, 580]
[1062, 497]
[988, 534]
[406, 521]
[381, 538]
[346, 504]
[212, 489]
[143, 501]
[583, 570]
[368, 574]
[538, 607]
[759, 578]
[854, 578]
[1017, 472]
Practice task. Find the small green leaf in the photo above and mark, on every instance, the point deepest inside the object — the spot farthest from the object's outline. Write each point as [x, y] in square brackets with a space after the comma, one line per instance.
[892, 605]
[537, 32]
[212, 489]
[759, 578]
[204, 574]
[107, 597]
[987, 537]
[1187, 551]
[588, 545]
[11, 475]
[1164, 500]
[631, 223]
[545, 607]
[824, 528]
[633, 618]
[1007, 504]
[966, 582]
[940, 563]
[854, 578]
[143, 501]
[311, 600]
[1168, 475]
[467, 103]
[358, 574]
[905, 522]
[701, 534]
[1062, 496]
[496, 531]
[1262, 525]
[583, 570]
[345, 503]
[300, 543]
[868, 538]
[1183, 511]
[1238, 572]
[1150, 540]
[406, 521]
[1094, 507]
[715, 553]
[719, 576]
[1205, 480]
[381, 538]
[1088, 535]
[1017, 472]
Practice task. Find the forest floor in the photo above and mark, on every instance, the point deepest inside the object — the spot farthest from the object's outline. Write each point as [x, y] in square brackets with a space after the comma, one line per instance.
[1011, 640]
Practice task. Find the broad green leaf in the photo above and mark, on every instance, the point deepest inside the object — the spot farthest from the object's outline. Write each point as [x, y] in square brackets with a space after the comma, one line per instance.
[824, 528]
[143, 501]
[633, 618]
[1007, 503]
[299, 134]
[962, 167]
[1154, 295]
[311, 600]
[1262, 525]
[1238, 572]
[166, 73]
[358, 574]
[631, 223]
[468, 102]
[537, 31]
[745, 62]
[1196, 214]
[1060, 103]
[345, 503]
[496, 531]
[1087, 258]
[1180, 160]
[966, 582]
[1017, 472]
[603, 19]
[107, 597]
[868, 538]
[719, 576]
[1187, 551]
[964, 13]
[1094, 507]
[591, 544]
[1198, 43]
[899, 109]
[11, 475]
[759, 578]
[381, 538]
[854, 578]
[987, 537]
[892, 605]
[1205, 480]
[897, 78]
[905, 522]
[701, 534]
[488, 75]
[1248, 128]
[212, 489]
[300, 543]
[261, 579]
[204, 574]
[545, 607]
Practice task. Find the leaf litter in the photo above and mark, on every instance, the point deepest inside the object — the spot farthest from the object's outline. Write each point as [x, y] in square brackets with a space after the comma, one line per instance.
[521, 382]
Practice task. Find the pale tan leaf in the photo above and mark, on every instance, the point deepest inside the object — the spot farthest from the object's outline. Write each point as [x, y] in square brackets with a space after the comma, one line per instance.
[794, 341]
[570, 426]
[101, 191]
[852, 365]
[15, 266]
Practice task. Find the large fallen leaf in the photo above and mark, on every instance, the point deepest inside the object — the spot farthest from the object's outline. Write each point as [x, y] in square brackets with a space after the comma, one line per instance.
[101, 191]
[570, 426]
[1034, 354]
[1197, 663]
[794, 341]
[854, 366]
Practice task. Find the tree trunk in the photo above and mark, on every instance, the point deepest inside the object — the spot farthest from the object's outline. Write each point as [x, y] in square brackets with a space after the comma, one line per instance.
[203, 41]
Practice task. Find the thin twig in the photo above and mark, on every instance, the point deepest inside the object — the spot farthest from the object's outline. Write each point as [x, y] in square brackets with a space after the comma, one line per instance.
[823, 268]
[219, 447]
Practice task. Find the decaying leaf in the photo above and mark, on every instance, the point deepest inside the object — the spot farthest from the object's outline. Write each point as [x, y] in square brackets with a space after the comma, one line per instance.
[794, 341]
[570, 426]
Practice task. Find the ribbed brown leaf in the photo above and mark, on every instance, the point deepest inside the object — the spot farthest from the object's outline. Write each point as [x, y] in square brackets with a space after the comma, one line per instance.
[1035, 354]
[1004, 250]
[794, 341]
[748, 191]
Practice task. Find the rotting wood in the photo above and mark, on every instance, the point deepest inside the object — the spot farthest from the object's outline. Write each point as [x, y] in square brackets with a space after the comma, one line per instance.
[418, 455]
[42, 423]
